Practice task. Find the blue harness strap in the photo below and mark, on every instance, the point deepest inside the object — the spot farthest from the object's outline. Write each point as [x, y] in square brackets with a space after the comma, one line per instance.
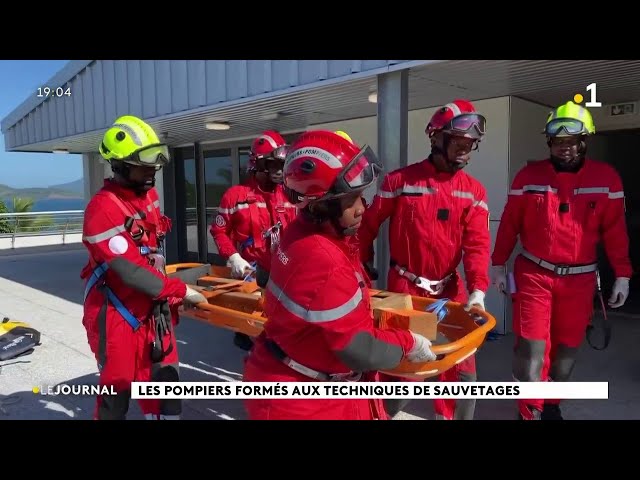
[247, 243]
[95, 277]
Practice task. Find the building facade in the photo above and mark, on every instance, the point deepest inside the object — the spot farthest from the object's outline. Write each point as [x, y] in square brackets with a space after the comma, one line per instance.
[209, 111]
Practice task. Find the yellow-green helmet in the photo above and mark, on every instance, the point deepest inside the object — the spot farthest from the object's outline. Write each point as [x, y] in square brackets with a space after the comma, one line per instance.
[569, 119]
[133, 141]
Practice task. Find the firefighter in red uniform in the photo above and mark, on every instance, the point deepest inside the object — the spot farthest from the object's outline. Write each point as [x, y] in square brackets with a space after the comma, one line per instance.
[438, 212]
[320, 324]
[251, 217]
[130, 306]
[560, 208]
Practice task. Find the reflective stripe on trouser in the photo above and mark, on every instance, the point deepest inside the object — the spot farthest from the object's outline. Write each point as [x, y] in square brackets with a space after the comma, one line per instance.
[548, 333]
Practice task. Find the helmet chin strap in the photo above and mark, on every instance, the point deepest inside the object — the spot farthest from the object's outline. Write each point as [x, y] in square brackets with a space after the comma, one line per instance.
[331, 212]
[452, 165]
[123, 170]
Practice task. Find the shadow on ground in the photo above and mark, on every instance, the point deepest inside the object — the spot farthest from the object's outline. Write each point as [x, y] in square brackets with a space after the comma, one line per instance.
[206, 355]
[52, 269]
[619, 365]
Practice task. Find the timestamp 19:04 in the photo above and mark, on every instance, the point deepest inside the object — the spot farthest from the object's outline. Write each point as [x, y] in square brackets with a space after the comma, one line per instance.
[53, 92]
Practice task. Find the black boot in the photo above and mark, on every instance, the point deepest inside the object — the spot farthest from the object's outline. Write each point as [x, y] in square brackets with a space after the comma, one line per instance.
[243, 341]
[551, 412]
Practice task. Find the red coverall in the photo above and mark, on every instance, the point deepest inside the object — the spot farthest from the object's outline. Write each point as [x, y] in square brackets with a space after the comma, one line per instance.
[245, 213]
[434, 218]
[319, 314]
[124, 355]
[560, 218]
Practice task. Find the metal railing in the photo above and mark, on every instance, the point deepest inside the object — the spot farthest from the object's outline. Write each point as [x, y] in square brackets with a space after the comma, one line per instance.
[31, 224]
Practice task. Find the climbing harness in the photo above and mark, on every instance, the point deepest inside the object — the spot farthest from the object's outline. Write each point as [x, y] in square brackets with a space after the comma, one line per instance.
[155, 256]
[605, 326]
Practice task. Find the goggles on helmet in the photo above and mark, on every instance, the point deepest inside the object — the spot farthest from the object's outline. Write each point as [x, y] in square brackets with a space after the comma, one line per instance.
[156, 155]
[571, 126]
[360, 173]
[274, 158]
[466, 123]
[279, 153]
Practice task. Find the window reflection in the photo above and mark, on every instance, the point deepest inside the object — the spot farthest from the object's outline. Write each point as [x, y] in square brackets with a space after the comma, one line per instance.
[191, 212]
[243, 155]
[218, 168]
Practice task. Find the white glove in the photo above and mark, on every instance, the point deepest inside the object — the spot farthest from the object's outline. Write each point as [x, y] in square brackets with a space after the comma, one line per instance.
[475, 299]
[193, 297]
[421, 351]
[499, 278]
[238, 266]
[619, 293]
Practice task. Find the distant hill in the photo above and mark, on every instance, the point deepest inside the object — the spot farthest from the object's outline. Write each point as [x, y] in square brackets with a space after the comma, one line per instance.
[76, 186]
[66, 190]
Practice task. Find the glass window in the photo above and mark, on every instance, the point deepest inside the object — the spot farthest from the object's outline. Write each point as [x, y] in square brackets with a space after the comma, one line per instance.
[243, 155]
[191, 212]
[218, 168]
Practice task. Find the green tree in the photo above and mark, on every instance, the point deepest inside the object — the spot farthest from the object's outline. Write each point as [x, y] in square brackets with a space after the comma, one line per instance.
[5, 227]
[30, 224]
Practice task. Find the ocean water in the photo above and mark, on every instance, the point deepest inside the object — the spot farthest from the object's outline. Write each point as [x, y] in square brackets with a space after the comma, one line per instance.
[59, 204]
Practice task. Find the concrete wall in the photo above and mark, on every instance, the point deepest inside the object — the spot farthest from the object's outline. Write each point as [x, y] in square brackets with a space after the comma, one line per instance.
[605, 121]
[39, 240]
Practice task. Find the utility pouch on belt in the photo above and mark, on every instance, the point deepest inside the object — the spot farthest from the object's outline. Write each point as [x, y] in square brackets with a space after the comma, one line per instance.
[162, 326]
[17, 339]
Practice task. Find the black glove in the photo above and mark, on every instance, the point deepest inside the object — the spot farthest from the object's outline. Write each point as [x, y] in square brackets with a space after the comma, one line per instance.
[371, 271]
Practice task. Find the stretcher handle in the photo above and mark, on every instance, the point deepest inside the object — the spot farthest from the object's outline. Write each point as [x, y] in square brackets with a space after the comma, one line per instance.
[476, 334]
[436, 367]
[175, 267]
[232, 319]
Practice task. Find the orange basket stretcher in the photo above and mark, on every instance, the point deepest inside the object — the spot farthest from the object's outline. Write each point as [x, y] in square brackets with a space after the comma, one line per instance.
[237, 305]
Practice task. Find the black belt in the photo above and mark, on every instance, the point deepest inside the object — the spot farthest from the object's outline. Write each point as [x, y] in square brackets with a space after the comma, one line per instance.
[309, 372]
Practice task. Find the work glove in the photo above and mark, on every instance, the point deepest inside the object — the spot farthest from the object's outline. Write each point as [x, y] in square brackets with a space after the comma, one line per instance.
[238, 265]
[619, 293]
[193, 297]
[421, 351]
[476, 299]
[499, 278]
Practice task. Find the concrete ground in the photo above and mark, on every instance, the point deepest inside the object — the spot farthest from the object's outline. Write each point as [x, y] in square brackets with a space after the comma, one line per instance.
[42, 287]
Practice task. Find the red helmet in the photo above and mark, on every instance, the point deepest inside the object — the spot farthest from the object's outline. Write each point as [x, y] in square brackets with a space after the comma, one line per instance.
[269, 144]
[457, 118]
[322, 165]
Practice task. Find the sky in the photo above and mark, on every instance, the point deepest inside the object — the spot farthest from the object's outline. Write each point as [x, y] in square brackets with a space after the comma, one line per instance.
[20, 79]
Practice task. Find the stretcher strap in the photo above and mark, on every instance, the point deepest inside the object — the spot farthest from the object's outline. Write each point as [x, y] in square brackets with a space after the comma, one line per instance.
[439, 309]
